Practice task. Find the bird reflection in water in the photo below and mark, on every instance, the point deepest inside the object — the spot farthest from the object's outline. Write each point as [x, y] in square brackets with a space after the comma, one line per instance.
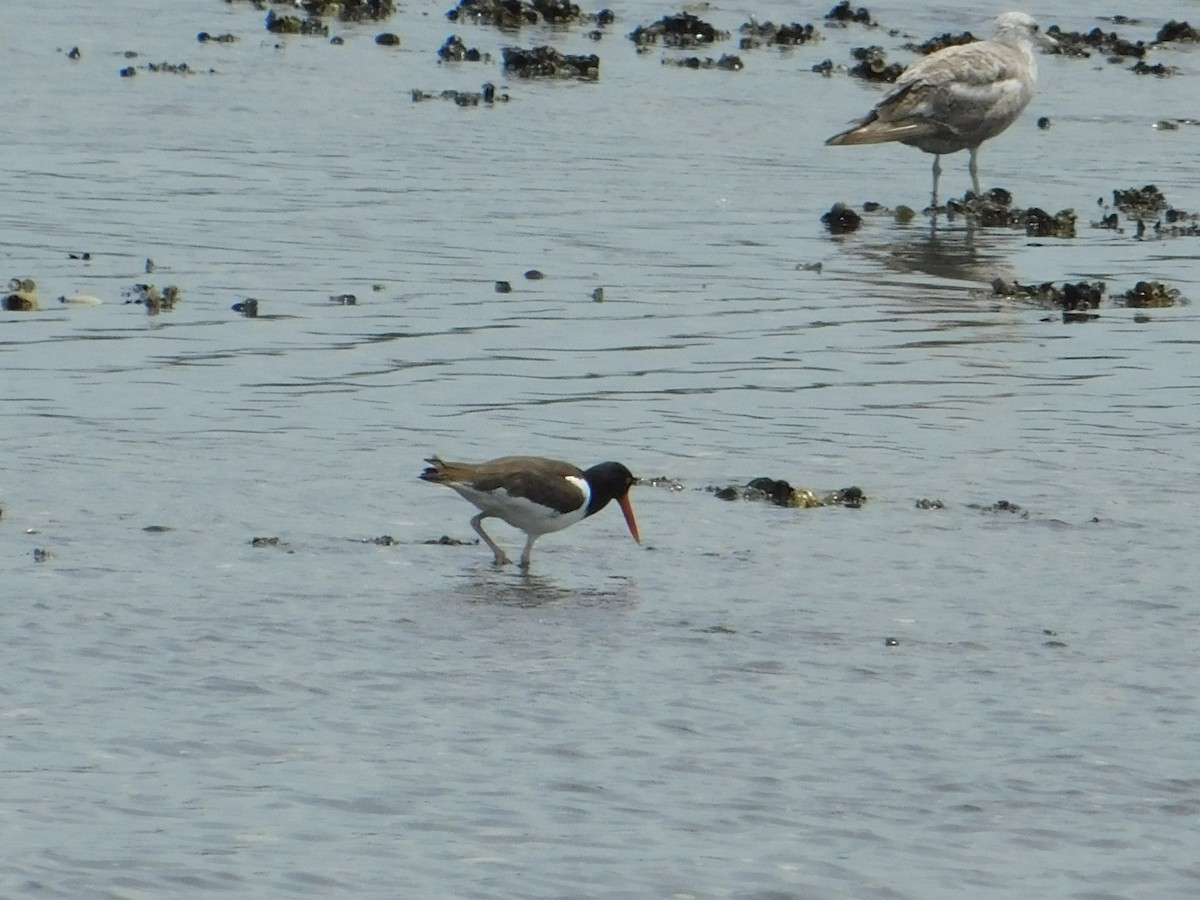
[954, 254]
[527, 590]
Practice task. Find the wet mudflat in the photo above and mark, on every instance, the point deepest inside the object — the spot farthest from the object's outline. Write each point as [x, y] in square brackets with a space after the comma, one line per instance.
[978, 681]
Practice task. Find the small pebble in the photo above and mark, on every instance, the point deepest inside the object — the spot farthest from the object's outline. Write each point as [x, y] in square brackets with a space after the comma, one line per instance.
[503, 287]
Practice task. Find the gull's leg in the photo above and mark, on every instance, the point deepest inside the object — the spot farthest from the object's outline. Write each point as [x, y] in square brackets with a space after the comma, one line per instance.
[476, 523]
[937, 173]
[528, 548]
[973, 168]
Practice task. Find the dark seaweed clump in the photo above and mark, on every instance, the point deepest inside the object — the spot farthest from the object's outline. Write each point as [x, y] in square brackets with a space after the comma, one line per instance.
[486, 95]
[295, 25]
[1080, 296]
[872, 65]
[1141, 202]
[768, 34]
[780, 493]
[1039, 223]
[444, 541]
[1177, 223]
[514, 14]
[1084, 296]
[171, 68]
[1141, 67]
[1082, 44]
[17, 303]
[1152, 214]
[350, 10]
[1149, 295]
[21, 296]
[1177, 31]
[155, 300]
[941, 42]
[728, 62]
[843, 13]
[454, 50]
[841, 219]
[1002, 506]
[680, 30]
[995, 210]
[346, 10]
[546, 62]
[663, 481]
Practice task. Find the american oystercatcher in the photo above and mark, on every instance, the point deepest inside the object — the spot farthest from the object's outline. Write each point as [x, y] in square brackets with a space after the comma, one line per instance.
[534, 494]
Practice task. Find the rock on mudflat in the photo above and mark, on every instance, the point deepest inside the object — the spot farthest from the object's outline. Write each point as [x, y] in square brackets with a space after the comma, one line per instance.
[781, 493]
[841, 219]
[995, 209]
[767, 34]
[154, 299]
[842, 13]
[682, 30]
[514, 14]
[21, 296]
[546, 62]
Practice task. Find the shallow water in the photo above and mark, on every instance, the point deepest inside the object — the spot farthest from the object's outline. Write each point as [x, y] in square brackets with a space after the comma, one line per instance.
[758, 702]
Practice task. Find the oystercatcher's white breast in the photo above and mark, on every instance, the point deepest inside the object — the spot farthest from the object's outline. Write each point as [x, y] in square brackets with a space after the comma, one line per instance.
[519, 512]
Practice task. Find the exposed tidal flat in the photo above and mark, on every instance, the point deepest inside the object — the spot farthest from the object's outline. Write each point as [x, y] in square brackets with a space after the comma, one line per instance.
[979, 682]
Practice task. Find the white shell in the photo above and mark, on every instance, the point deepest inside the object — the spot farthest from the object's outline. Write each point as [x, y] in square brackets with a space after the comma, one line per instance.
[80, 300]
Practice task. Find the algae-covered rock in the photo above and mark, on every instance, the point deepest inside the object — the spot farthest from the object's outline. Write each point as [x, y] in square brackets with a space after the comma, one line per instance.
[680, 30]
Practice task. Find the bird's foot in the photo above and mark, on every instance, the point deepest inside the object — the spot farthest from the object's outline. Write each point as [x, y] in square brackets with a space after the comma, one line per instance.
[501, 559]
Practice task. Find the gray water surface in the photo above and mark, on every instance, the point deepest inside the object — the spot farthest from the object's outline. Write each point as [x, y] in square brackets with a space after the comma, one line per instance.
[888, 702]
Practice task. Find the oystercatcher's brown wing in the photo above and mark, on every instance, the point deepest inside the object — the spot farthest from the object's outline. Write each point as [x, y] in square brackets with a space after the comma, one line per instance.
[543, 481]
[548, 489]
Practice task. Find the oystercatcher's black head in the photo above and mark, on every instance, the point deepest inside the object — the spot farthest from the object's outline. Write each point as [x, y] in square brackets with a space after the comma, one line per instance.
[612, 481]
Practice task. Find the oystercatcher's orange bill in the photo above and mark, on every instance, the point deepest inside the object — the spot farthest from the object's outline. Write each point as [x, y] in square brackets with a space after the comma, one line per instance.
[627, 508]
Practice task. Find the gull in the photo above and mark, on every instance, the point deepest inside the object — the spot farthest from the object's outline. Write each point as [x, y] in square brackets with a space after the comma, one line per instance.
[957, 98]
